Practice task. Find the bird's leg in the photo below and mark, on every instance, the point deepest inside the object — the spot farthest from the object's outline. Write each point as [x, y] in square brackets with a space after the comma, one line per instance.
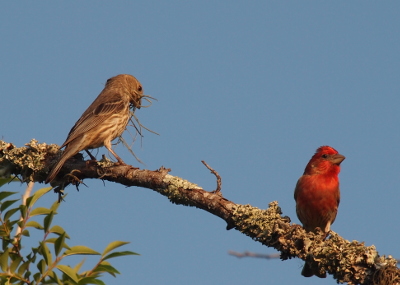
[327, 229]
[328, 226]
[120, 161]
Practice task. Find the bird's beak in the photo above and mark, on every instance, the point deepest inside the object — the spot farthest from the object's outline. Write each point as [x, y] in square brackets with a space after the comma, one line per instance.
[138, 101]
[338, 158]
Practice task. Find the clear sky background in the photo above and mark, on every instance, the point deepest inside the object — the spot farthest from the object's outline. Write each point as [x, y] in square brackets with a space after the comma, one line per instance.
[251, 87]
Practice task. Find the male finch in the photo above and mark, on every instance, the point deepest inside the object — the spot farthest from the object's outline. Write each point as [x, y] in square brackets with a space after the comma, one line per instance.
[317, 194]
[104, 120]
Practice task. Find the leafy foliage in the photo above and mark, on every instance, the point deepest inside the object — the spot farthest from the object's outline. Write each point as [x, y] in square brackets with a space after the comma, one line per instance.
[43, 264]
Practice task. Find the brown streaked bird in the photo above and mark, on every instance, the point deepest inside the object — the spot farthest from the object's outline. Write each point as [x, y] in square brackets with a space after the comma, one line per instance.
[104, 120]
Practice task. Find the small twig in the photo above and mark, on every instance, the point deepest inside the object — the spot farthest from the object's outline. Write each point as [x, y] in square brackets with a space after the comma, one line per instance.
[216, 175]
[139, 129]
[26, 195]
[252, 254]
[130, 149]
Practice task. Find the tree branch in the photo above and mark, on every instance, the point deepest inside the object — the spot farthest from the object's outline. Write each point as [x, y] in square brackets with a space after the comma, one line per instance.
[350, 262]
[252, 254]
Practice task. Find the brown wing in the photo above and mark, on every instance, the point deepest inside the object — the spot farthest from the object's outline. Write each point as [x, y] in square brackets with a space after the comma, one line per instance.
[95, 115]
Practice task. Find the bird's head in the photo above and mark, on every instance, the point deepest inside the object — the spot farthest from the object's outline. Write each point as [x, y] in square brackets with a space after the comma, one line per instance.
[131, 87]
[326, 159]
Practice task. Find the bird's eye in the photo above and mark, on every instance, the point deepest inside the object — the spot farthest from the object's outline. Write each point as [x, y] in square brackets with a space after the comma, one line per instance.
[324, 156]
[140, 88]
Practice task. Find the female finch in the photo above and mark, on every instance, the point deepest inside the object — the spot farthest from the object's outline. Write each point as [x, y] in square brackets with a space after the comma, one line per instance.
[104, 120]
[317, 194]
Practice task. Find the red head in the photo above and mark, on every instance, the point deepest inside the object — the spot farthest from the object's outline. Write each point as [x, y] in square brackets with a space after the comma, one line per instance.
[325, 160]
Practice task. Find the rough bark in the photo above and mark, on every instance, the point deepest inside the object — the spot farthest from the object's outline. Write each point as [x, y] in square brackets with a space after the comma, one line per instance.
[348, 262]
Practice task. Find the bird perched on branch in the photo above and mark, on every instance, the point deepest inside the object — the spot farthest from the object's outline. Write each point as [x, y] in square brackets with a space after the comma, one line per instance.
[104, 120]
[317, 194]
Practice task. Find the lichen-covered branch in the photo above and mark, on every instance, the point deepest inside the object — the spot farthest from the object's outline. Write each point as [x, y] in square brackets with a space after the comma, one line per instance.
[348, 262]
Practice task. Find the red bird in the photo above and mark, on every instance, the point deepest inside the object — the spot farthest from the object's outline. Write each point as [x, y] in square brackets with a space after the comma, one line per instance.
[317, 194]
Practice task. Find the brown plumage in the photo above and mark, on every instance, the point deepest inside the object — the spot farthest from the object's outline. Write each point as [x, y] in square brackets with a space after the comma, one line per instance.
[104, 120]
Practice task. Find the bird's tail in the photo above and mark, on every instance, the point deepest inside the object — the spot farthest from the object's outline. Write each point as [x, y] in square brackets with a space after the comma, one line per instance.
[57, 166]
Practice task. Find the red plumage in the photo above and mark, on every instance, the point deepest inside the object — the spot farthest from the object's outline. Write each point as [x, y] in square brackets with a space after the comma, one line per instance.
[317, 193]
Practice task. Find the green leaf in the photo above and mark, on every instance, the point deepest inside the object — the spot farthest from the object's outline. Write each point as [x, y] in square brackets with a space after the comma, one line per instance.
[10, 224]
[6, 228]
[80, 249]
[3, 232]
[51, 240]
[27, 275]
[113, 245]
[69, 272]
[41, 266]
[59, 244]
[4, 180]
[8, 180]
[58, 230]
[23, 210]
[15, 263]
[55, 205]
[25, 233]
[36, 276]
[120, 253]
[9, 213]
[23, 268]
[5, 194]
[40, 211]
[90, 280]
[54, 278]
[45, 252]
[34, 224]
[107, 268]
[4, 260]
[79, 265]
[7, 204]
[39, 193]
[34, 251]
[47, 221]
[12, 280]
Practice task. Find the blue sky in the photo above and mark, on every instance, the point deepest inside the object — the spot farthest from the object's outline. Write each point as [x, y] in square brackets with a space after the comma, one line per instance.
[251, 87]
